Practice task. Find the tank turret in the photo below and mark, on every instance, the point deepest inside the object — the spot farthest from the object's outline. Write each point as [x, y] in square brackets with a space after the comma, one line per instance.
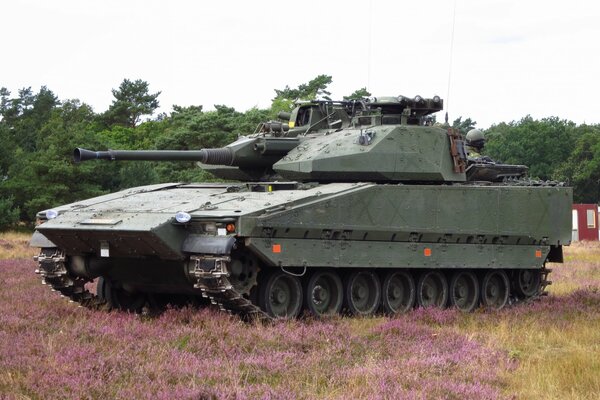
[379, 139]
[382, 139]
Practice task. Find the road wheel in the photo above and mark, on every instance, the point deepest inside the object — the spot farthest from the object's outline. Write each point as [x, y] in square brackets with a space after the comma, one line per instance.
[363, 293]
[324, 293]
[119, 298]
[101, 285]
[464, 291]
[527, 282]
[495, 289]
[398, 292]
[280, 295]
[432, 290]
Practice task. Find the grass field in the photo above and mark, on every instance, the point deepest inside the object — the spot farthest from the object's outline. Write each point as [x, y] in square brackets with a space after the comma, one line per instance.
[50, 348]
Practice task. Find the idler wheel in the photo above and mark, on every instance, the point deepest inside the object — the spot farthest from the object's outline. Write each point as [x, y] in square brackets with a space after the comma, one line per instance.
[528, 282]
[243, 271]
[362, 293]
[398, 292]
[464, 291]
[432, 290]
[280, 295]
[324, 293]
[495, 289]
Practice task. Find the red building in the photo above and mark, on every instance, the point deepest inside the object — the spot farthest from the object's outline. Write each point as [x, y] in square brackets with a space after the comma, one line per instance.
[585, 222]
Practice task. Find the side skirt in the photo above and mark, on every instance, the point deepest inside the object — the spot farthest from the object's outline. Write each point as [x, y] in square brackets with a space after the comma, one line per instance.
[354, 254]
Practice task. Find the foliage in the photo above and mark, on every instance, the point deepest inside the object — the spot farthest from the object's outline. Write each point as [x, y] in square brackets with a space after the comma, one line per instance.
[132, 100]
[582, 167]
[7, 149]
[45, 178]
[26, 114]
[542, 145]
[9, 215]
[358, 94]
[315, 88]
[463, 126]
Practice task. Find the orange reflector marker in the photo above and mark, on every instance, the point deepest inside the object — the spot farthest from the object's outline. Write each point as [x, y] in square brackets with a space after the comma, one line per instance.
[538, 254]
[427, 252]
[276, 248]
[230, 228]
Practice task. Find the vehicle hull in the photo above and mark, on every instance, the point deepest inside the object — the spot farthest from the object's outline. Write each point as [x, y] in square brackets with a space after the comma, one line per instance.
[339, 226]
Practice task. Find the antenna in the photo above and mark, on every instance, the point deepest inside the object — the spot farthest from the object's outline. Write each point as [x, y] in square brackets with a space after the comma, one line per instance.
[450, 65]
[369, 44]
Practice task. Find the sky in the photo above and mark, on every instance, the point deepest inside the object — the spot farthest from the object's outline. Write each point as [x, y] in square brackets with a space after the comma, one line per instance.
[505, 60]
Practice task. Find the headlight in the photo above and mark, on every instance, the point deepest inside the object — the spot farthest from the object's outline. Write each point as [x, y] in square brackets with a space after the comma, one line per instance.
[183, 217]
[51, 214]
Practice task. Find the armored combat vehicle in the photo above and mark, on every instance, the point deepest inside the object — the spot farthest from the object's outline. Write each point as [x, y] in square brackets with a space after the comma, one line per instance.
[341, 206]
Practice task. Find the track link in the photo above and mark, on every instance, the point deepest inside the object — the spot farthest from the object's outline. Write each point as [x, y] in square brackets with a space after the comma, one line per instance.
[212, 278]
[51, 267]
[544, 282]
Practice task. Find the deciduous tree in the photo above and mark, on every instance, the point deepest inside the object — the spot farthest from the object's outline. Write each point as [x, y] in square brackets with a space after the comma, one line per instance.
[542, 145]
[582, 168]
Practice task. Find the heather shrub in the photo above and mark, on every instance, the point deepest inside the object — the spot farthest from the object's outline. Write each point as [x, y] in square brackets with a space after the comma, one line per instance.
[50, 348]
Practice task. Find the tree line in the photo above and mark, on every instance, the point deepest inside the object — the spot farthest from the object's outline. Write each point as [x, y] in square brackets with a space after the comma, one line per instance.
[38, 133]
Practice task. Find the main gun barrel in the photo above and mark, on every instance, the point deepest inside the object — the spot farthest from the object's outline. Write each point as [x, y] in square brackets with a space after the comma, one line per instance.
[222, 156]
[248, 153]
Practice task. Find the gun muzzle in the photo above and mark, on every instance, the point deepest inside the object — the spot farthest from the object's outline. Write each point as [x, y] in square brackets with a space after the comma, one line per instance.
[80, 155]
